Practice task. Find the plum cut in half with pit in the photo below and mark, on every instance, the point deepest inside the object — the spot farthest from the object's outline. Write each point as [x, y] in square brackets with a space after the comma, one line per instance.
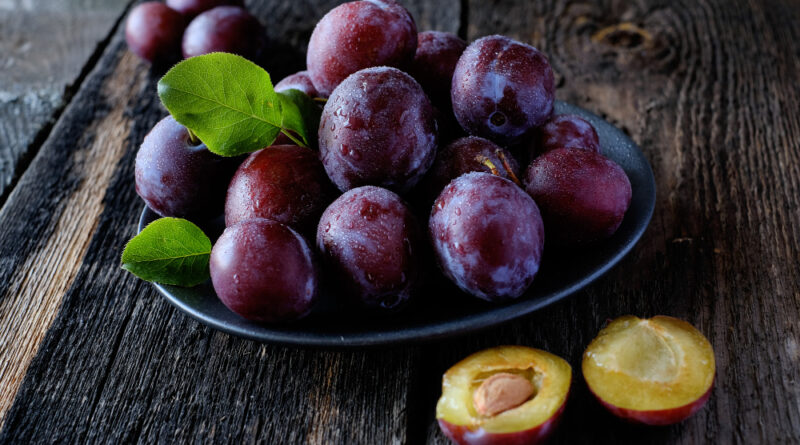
[503, 395]
[656, 371]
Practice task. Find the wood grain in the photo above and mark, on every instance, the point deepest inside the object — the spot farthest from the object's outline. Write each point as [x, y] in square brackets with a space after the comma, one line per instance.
[46, 46]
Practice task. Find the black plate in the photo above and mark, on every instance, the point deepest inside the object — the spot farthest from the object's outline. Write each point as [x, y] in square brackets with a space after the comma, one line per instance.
[442, 310]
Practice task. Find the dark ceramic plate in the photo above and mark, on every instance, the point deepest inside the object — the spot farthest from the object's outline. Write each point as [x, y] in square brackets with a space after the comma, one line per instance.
[441, 310]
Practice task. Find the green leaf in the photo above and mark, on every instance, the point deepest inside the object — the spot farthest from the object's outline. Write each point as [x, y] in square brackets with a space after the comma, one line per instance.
[300, 114]
[228, 102]
[169, 251]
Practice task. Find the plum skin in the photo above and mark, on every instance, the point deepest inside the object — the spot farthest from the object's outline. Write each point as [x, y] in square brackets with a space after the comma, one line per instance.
[377, 128]
[285, 183]
[565, 131]
[434, 63]
[191, 8]
[264, 271]
[153, 31]
[660, 417]
[502, 115]
[358, 35]
[229, 29]
[298, 81]
[176, 178]
[583, 195]
[372, 243]
[469, 227]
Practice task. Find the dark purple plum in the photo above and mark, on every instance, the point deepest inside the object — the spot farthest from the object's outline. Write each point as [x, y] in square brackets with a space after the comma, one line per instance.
[191, 8]
[153, 32]
[488, 236]
[583, 195]
[464, 155]
[377, 128]
[229, 29]
[434, 63]
[502, 89]
[264, 271]
[285, 183]
[358, 35]
[565, 131]
[373, 245]
[178, 178]
[298, 81]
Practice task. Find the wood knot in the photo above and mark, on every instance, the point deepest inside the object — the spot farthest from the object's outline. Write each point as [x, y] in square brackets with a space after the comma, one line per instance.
[623, 35]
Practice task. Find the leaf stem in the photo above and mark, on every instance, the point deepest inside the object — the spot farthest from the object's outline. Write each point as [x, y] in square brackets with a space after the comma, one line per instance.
[288, 134]
[193, 138]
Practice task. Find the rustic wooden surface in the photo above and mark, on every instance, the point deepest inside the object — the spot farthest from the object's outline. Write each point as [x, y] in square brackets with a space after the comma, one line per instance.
[707, 88]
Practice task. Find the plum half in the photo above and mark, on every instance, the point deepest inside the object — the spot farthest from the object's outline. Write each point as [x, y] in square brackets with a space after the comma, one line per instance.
[503, 395]
[656, 371]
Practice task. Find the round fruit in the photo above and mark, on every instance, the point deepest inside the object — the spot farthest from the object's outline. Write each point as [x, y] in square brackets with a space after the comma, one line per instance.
[153, 31]
[176, 177]
[298, 81]
[566, 131]
[264, 271]
[373, 243]
[502, 89]
[190, 8]
[434, 63]
[285, 183]
[228, 29]
[503, 395]
[583, 195]
[358, 35]
[377, 128]
[656, 371]
[468, 154]
[488, 236]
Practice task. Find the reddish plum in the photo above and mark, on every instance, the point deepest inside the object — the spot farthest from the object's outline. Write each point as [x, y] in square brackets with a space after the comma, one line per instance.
[264, 271]
[373, 244]
[358, 35]
[565, 131]
[176, 177]
[488, 236]
[298, 81]
[502, 89]
[582, 194]
[377, 128]
[191, 8]
[153, 31]
[229, 29]
[285, 183]
[434, 63]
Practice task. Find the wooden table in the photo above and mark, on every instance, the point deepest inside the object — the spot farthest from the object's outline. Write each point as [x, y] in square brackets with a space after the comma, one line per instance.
[89, 353]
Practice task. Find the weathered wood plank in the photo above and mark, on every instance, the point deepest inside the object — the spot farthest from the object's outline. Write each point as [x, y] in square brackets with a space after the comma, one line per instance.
[46, 46]
[118, 363]
[709, 90]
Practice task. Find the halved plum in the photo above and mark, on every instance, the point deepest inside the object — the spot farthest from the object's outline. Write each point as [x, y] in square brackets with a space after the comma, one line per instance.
[503, 395]
[656, 371]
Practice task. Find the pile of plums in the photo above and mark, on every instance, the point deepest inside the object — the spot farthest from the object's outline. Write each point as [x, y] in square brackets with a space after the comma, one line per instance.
[425, 138]
[160, 32]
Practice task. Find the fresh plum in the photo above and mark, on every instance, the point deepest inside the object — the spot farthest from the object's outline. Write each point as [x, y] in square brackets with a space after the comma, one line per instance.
[565, 131]
[583, 195]
[488, 236]
[358, 35]
[434, 63]
[176, 177]
[264, 271]
[377, 128]
[153, 31]
[373, 244]
[229, 29]
[191, 8]
[298, 81]
[285, 183]
[502, 89]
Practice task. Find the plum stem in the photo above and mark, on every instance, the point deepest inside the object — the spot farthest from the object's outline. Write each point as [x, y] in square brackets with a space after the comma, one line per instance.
[506, 164]
[193, 139]
[487, 162]
[321, 100]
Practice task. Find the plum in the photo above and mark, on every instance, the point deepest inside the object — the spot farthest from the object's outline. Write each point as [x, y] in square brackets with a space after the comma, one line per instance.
[377, 128]
[180, 178]
[358, 35]
[564, 131]
[298, 81]
[583, 195]
[229, 29]
[153, 32]
[191, 8]
[488, 236]
[502, 89]
[264, 271]
[434, 63]
[285, 183]
[372, 243]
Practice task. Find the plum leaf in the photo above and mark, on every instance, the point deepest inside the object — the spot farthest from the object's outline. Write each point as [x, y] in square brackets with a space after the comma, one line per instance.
[169, 251]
